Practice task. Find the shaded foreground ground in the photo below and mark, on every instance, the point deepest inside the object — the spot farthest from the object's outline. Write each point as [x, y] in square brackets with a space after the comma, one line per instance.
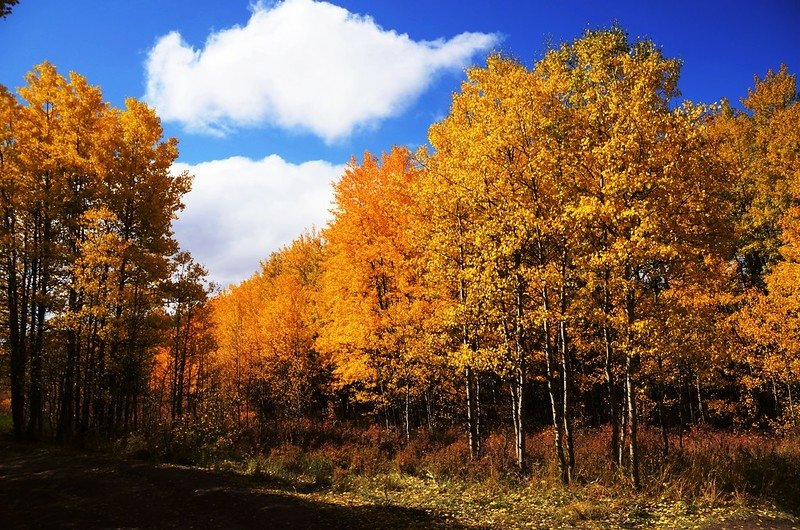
[48, 488]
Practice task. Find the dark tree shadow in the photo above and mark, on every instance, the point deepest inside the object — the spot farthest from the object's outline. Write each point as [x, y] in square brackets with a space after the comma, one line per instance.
[48, 488]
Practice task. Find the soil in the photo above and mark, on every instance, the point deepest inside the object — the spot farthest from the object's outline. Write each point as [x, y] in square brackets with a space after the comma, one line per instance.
[45, 487]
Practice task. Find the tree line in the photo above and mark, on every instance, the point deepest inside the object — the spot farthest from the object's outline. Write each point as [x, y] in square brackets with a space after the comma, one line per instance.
[87, 255]
[576, 249]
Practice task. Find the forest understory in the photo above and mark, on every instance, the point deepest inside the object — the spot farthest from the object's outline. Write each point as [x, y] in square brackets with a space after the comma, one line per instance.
[361, 478]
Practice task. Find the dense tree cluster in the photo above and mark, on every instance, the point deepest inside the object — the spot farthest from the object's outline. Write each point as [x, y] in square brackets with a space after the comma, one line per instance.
[577, 249]
[86, 255]
[577, 245]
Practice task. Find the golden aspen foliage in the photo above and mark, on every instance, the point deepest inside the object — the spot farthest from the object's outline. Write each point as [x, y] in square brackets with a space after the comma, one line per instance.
[588, 196]
[768, 320]
[236, 331]
[95, 275]
[576, 242]
[761, 146]
[651, 201]
[265, 333]
[371, 286]
[498, 177]
[85, 254]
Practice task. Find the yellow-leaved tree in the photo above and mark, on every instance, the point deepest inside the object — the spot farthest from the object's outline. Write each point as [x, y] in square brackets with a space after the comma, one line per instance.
[73, 168]
[500, 188]
[585, 200]
[769, 251]
[650, 202]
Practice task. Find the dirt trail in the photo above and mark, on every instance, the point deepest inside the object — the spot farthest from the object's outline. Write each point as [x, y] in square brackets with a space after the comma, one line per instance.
[48, 488]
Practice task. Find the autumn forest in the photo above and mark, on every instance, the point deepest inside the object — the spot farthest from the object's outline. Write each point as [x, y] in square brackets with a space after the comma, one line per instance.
[579, 276]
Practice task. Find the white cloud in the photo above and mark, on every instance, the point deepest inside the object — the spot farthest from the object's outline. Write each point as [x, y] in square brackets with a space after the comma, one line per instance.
[299, 64]
[240, 210]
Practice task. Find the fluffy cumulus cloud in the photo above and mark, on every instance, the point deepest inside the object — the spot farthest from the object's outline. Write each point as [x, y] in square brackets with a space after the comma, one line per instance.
[298, 64]
[240, 210]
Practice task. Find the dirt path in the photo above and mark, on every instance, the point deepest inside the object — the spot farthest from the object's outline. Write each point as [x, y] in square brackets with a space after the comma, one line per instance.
[47, 488]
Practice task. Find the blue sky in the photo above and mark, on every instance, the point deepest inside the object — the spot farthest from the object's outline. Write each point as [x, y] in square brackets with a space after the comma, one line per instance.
[270, 99]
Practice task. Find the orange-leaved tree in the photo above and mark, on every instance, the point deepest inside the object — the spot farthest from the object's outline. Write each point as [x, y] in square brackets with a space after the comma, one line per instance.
[266, 329]
[371, 287]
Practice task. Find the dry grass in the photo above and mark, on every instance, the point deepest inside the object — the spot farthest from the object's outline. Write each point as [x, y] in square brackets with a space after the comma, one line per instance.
[715, 476]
